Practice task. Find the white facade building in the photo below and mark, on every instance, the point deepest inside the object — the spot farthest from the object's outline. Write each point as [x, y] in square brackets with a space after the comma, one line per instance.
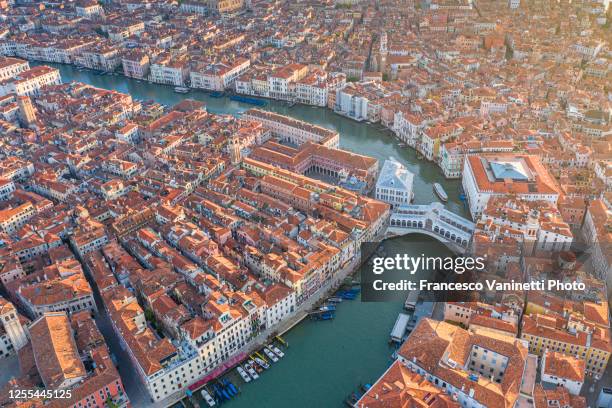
[394, 185]
[11, 67]
[564, 370]
[498, 175]
[292, 130]
[31, 81]
[218, 77]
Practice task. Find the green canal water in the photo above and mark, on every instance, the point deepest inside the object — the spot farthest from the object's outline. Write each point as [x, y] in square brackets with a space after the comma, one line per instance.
[326, 360]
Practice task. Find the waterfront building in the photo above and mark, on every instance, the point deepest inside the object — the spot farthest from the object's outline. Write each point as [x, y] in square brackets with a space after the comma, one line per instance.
[99, 57]
[400, 385]
[452, 154]
[408, 125]
[219, 76]
[169, 69]
[292, 130]
[291, 82]
[135, 64]
[360, 101]
[477, 368]
[162, 367]
[280, 303]
[282, 80]
[524, 176]
[11, 67]
[350, 170]
[30, 82]
[312, 89]
[394, 184]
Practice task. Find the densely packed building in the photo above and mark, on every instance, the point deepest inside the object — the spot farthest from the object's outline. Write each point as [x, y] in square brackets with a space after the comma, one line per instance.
[158, 210]
[196, 232]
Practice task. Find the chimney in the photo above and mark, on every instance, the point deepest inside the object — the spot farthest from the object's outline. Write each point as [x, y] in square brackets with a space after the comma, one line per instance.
[471, 393]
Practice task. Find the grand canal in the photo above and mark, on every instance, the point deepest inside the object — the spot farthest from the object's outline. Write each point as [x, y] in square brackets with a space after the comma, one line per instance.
[325, 361]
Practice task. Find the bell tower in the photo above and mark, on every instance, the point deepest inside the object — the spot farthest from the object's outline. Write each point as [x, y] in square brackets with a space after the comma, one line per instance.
[383, 51]
[12, 325]
[234, 150]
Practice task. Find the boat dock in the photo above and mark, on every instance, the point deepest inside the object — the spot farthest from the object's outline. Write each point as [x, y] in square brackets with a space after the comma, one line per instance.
[249, 100]
[411, 301]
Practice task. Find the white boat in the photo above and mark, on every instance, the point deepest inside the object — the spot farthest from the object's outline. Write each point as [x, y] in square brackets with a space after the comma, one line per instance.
[249, 368]
[276, 350]
[181, 89]
[270, 355]
[262, 363]
[440, 192]
[209, 400]
[243, 374]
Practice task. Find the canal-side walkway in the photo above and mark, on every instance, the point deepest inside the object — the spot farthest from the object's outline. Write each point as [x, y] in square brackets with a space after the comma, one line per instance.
[294, 318]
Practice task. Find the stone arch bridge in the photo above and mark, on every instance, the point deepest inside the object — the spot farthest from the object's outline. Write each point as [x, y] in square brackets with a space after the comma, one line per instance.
[434, 220]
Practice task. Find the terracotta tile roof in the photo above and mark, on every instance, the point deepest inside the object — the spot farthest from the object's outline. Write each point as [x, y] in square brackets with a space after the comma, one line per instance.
[399, 387]
[442, 349]
[564, 366]
[55, 350]
[559, 396]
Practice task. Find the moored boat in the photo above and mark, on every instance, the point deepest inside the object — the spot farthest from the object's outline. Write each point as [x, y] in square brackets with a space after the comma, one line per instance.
[249, 368]
[181, 89]
[276, 350]
[243, 374]
[245, 99]
[262, 363]
[209, 400]
[439, 190]
[270, 355]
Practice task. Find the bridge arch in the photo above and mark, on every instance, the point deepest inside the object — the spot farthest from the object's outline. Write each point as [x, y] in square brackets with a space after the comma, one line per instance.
[432, 220]
[456, 247]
